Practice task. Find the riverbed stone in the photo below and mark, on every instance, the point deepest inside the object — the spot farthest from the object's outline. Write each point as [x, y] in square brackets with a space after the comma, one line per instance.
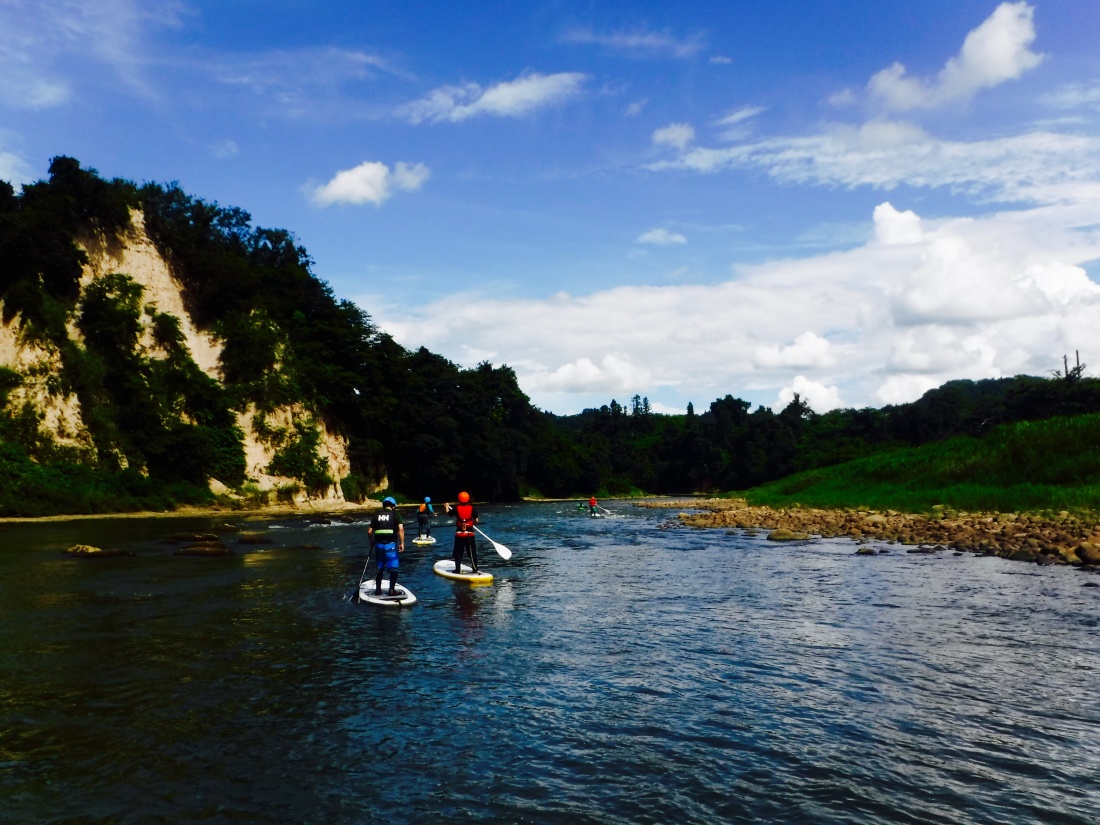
[254, 538]
[89, 551]
[783, 534]
[207, 548]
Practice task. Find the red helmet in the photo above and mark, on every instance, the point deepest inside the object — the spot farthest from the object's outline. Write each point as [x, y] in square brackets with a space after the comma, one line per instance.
[463, 497]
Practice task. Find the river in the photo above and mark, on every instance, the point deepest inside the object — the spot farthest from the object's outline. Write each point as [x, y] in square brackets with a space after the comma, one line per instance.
[614, 672]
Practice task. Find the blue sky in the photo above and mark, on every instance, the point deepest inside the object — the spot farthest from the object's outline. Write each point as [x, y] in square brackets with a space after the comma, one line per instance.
[854, 201]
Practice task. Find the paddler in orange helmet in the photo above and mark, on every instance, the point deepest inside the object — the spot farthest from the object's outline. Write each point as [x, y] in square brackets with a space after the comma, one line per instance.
[465, 539]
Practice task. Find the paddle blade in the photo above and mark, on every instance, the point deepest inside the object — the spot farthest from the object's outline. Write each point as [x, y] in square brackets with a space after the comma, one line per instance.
[503, 551]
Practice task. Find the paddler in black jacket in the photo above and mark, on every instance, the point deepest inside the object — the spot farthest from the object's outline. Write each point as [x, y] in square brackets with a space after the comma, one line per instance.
[465, 540]
[387, 535]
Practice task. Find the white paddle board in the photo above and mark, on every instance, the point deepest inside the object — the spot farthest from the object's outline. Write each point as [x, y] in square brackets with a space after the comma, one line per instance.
[403, 597]
[446, 569]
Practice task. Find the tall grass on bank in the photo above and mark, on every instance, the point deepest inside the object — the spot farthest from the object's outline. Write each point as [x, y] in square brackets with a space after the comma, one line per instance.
[1029, 465]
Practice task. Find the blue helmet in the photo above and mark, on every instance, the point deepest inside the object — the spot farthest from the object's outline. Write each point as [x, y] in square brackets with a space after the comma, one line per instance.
[427, 499]
[389, 500]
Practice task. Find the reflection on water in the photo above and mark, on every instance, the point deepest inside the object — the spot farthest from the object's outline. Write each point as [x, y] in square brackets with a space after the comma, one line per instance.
[612, 673]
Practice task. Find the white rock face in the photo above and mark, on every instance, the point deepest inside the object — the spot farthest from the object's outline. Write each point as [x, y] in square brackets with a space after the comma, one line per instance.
[138, 257]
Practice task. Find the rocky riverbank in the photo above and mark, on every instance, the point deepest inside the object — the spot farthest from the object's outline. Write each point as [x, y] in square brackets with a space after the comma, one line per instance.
[1059, 538]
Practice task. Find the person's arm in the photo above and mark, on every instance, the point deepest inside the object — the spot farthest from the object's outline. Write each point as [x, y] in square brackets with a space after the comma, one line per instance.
[401, 537]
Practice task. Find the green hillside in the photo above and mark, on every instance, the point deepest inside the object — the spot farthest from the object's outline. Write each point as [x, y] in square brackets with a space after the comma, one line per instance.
[1029, 465]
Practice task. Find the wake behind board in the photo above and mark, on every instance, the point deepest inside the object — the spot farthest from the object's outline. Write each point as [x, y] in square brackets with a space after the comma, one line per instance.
[446, 569]
[424, 542]
[403, 597]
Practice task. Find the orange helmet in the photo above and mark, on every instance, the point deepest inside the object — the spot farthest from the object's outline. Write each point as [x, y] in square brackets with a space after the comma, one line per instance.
[463, 497]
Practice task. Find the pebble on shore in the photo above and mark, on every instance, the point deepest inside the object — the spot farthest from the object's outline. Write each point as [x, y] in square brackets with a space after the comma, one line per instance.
[1060, 538]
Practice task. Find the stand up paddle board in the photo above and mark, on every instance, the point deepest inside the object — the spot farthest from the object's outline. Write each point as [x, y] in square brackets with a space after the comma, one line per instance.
[446, 569]
[402, 597]
[422, 542]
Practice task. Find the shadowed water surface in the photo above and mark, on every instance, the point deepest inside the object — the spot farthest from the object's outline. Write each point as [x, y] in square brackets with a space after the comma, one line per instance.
[613, 673]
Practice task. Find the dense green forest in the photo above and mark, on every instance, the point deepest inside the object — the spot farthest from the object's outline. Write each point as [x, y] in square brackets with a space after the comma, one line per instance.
[161, 427]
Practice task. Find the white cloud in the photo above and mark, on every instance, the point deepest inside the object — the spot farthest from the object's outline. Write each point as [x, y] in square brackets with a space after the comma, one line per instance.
[225, 149]
[635, 108]
[614, 373]
[512, 98]
[739, 115]
[661, 237]
[1074, 96]
[994, 52]
[901, 389]
[719, 60]
[808, 350]
[1037, 166]
[677, 135]
[821, 398]
[894, 227]
[369, 182]
[878, 323]
[14, 169]
[46, 45]
[638, 42]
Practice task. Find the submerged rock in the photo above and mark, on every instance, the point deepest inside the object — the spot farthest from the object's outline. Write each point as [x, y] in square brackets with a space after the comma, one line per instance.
[88, 551]
[783, 534]
[193, 537]
[254, 538]
[206, 548]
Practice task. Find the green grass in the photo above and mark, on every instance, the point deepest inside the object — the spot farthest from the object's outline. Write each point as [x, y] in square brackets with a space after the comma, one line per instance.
[1026, 466]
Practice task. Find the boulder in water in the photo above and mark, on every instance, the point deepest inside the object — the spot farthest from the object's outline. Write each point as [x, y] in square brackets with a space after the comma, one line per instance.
[254, 538]
[89, 552]
[783, 534]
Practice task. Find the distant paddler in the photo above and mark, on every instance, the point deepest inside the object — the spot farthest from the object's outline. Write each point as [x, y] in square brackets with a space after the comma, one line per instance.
[423, 519]
[592, 506]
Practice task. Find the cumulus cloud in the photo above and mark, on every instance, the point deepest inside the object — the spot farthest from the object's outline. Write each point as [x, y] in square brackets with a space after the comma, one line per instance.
[879, 323]
[638, 42]
[614, 373]
[821, 398]
[369, 182]
[901, 389]
[993, 53]
[808, 350]
[894, 227]
[661, 237]
[677, 135]
[511, 98]
[635, 108]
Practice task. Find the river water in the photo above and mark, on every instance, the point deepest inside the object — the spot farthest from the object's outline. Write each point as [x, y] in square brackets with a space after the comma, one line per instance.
[614, 672]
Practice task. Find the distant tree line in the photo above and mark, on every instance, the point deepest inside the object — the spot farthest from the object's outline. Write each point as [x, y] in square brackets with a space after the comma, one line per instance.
[161, 427]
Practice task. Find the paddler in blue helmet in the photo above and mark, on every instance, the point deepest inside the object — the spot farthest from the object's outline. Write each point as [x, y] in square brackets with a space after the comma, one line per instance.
[387, 536]
[423, 525]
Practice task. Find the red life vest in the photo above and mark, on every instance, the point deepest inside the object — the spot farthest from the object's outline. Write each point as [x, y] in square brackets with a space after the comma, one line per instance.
[464, 519]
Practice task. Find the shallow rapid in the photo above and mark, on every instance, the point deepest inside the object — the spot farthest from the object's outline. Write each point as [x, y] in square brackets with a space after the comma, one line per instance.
[614, 672]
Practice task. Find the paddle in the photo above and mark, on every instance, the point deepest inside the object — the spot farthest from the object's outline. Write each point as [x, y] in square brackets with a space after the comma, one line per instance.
[604, 509]
[356, 596]
[503, 551]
